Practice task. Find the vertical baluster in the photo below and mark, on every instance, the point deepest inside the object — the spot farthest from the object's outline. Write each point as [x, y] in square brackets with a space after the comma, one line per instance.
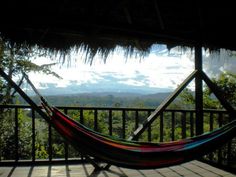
[81, 116]
[123, 123]
[149, 129]
[229, 146]
[220, 121]
[110, 122]
[136, 119]
[1, 111]
[191, 124]
[211, 128]
[95, 119]
[161, 127]
[211, 121]
[229, 152]
[33, 135]
[16, 135]
[81, 113]
[172, 125]
[65, 142]
[136, 124]
[183, 124]
[50, 141]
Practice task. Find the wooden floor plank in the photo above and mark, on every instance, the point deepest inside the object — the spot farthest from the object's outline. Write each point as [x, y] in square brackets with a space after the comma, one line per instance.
[190, 169]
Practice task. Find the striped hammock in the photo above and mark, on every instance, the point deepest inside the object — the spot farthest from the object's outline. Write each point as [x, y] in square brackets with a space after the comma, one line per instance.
[138, 155]
[130, 154]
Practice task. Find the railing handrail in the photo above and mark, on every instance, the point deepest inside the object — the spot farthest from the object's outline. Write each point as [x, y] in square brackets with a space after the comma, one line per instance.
[182, 123]
[110, 108]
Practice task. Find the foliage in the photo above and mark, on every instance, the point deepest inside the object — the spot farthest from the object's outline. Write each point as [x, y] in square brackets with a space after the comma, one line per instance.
[226, 82]
[7, 136]
[14, 60]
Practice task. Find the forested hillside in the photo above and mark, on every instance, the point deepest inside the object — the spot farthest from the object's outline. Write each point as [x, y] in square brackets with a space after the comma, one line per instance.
[105, 99]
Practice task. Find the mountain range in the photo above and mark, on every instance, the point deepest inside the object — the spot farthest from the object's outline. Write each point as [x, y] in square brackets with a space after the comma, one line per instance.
[107, 84]
[104, 99]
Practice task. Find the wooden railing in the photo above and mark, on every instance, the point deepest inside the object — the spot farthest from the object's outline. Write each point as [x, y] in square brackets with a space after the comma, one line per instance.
[28, 139]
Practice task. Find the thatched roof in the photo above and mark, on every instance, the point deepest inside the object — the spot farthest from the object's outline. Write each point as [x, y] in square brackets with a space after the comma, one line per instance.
[101, 25]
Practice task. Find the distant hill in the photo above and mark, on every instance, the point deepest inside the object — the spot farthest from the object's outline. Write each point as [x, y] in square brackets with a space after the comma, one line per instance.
[160, 96]
[123, 99]
[98, 88]
[107, 84]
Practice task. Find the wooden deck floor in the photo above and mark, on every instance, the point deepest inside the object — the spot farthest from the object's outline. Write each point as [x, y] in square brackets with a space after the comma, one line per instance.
[190, 169]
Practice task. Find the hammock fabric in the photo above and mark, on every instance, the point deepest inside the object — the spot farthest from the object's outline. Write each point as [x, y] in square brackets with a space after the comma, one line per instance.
[130, 154]
[138, 155]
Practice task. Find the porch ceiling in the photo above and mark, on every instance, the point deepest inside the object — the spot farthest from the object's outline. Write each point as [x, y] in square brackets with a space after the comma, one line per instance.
[104, 24]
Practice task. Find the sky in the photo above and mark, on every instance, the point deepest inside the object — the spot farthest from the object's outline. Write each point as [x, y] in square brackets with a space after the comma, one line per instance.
[160, 69]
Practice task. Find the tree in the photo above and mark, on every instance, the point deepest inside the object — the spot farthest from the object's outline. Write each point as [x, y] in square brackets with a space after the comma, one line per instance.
[14, 60]
[226, 83]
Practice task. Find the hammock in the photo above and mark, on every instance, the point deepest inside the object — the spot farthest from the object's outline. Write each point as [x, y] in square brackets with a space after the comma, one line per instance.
[129, 154]
[138, 155]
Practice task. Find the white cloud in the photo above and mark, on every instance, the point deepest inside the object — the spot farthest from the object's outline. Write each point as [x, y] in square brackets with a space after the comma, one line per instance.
[132, 82]
[152, 71]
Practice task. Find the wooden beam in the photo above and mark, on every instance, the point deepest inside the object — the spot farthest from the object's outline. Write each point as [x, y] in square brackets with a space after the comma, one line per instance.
[219, 94]
[158, 12]
[23, 94]
[161, 107]
[128, 16]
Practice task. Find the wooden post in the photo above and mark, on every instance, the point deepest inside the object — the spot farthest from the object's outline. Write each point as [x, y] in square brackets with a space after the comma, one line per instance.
[198, 90]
